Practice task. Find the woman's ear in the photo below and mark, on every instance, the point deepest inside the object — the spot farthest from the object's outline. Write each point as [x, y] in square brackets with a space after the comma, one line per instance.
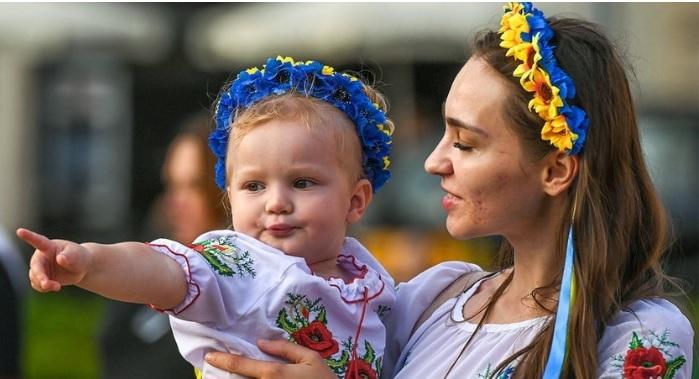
[359, 202]
[559, 173]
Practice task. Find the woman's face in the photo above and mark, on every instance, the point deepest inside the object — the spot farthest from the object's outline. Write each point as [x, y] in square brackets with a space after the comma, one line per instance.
[492, 187]
[187, 207]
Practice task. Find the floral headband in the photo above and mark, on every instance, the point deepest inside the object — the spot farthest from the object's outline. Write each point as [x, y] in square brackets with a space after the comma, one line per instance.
[283, 75]
[526, 35]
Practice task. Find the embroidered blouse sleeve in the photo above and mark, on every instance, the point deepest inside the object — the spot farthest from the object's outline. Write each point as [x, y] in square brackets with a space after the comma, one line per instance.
[652, 339]
[412, 298]
[222, 273]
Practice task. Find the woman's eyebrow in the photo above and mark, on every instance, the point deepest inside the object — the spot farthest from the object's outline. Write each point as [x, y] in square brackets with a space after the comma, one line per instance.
[456, 123]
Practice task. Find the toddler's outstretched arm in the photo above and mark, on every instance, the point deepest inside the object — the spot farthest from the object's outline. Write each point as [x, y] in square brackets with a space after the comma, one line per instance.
[126, 271]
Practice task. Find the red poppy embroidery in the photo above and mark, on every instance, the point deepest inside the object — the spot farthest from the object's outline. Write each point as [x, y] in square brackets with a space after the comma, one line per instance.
[360, 369]
[642, 363]
[305, 321]
[316, 336]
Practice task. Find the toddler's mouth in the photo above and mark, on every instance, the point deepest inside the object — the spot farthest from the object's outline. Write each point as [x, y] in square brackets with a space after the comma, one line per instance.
[280, 230]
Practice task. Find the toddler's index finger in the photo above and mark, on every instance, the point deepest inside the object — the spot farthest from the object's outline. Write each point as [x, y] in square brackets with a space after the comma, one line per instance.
[36, 240]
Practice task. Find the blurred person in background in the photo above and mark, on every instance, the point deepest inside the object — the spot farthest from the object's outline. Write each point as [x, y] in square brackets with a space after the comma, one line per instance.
[137, 342]
[13, 290]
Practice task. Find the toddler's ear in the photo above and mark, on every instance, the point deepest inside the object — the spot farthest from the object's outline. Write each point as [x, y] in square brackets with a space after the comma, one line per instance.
[359, 202]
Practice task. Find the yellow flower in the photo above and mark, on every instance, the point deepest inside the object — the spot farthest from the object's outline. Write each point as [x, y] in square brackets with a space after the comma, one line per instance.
[529, 55]
[384, 129]
[512, 25]
[252, 70]
[512, 10]
[513, 7]
[327, 70]
[286, 60]
[557, 132]
[386, 162]
[546, 100]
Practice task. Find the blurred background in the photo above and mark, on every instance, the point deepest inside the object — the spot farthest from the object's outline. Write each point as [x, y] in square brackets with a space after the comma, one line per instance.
[91, 95]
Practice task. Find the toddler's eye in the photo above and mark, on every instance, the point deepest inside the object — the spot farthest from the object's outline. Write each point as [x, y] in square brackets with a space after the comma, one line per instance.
[462, 147]
[253, 186]
[303, 183]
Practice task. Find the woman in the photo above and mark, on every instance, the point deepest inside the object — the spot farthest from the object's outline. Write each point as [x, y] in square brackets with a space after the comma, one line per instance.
[541, 147]
[135, 340]
[192, 202]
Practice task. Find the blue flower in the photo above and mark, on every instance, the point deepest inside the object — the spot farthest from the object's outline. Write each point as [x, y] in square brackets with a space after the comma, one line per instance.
[579, 124]
[220, 173]
[283, 75]
[575, 118]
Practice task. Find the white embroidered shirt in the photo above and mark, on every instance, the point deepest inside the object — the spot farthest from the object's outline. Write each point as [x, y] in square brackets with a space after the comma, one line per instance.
[241, 290]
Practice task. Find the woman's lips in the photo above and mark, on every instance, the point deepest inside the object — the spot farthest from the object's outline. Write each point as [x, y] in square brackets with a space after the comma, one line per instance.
[449, 201]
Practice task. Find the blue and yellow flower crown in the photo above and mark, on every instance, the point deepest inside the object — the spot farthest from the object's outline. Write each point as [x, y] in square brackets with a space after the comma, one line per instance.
[526, 35]
[283, 75]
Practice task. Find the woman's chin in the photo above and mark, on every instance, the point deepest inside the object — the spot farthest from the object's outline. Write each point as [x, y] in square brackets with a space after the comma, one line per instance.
[458, 230]
[461, 229]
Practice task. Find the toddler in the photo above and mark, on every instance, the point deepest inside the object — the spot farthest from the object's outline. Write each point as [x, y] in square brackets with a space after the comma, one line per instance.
[301, 150]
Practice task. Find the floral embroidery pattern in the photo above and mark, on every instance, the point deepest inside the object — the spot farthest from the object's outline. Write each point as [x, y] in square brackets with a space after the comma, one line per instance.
[382, 310]
[365, 367]
[489, 373]
[225, 257]
[648, 361]
[305, 321]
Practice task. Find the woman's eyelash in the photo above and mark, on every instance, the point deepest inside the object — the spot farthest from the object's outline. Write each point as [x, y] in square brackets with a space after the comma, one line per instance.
[461, 146]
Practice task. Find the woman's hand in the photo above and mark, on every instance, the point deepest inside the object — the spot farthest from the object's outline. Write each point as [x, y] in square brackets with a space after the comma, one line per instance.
[303, 363]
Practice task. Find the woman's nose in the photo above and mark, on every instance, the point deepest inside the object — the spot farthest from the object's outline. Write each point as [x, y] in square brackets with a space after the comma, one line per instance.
[438, 163]
[278, 201]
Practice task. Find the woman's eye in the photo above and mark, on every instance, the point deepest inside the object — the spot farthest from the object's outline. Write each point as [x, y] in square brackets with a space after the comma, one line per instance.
[253, 186]
[462, 147]
[303, 183]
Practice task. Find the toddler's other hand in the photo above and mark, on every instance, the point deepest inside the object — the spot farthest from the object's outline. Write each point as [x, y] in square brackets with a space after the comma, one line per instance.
[55, 263]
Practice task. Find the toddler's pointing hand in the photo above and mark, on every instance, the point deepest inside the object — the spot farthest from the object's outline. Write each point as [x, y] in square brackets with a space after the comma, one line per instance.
[55, 263]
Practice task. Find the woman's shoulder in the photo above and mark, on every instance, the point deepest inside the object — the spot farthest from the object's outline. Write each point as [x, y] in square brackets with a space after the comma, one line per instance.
[648, 330]
[412, 299]
[441, 275]
[419, 292]
[654, 312]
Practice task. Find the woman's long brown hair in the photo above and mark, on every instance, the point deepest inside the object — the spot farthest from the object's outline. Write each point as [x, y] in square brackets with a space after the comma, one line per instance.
[621, 228]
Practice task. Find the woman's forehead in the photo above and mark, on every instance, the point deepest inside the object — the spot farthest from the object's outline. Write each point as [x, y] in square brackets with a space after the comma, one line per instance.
[476, 95]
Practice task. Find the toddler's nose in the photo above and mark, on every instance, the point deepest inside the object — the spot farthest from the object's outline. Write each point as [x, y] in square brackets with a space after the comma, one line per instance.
[278, 202]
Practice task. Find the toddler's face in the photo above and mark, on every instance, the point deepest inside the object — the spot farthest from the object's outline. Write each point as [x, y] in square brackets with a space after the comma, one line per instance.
[288, 189]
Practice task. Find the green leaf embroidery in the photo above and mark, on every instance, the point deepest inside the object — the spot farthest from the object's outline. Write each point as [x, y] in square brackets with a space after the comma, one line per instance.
[226, 258]
[220, 267]
[338, 365]
[378, 365]
[322, 316]
[635, 341]
[370, 353]
[284, 322]
[673, 366]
